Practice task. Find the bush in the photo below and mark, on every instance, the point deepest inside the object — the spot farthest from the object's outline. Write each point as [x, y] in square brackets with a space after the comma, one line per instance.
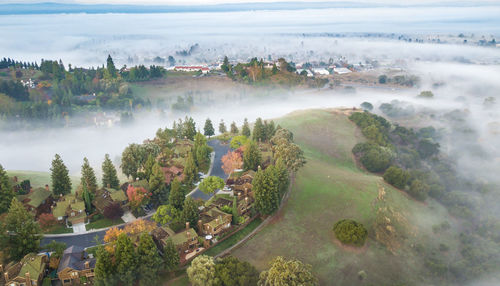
[47, 220]
[396, 177]
[113, 211]
[419, 190]
[350, 232]
[376, 160]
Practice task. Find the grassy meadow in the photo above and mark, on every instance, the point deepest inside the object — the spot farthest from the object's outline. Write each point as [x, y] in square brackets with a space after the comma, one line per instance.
[40, 179]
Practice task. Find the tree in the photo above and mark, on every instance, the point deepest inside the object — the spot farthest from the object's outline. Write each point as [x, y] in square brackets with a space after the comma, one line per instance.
[265, 189]
[88, 176]
[208, 130]
[113, 211]
[234, 211]
[47, 220]
[234, 128]
[231, 161]
[171, 257]
[259, 132]
[105, 269]
[251, 156]
[109, 177]
[149, 261]
[211, 184]
[61, 184]
[87, 198]
[349, 231]
[245, 130]
[287, 272]
[427, 149]
[190, 169]
[382, 79]
[367, 106]
[20, 232]
[137, 196]
[177, 197]
[56, 247]
[202, 271]
[148, 166]
[110, 67]
[190, 212]
[238, 141]
[166, 214]
[225, 65]
[6, 191]
[419, 190]
[125, 259]
[396, 177]
[222, 127]
[157, 185]
[189, 128]
[291, 155]
[230, 271]
[133, 157]
[376, 159]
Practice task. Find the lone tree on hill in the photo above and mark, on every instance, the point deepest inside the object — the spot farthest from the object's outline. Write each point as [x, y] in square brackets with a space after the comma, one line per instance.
[61, 183]
[88, 176]
[109, 177]
[6, 191]
[208, 130]
[211, 184]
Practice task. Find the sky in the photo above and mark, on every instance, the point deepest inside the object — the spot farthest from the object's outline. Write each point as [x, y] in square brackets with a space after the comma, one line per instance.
[211, 2]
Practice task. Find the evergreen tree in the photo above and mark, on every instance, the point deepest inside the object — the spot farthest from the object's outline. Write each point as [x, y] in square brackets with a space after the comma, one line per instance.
[157, 185]
[6, 191]
[190, 212]
[149, 260]
[234, 128]
[61, 184]
[109, 177]
[190, 170]
[266, 191]
[251, 156]
[234, 211]
[222, 127]
[105, 272]
[177, 197]
[189, 128]
[125, 259]
[87, 198]
[171, 257]
[88, 176]
[208, 130]
[110, 66]
[259, 132]
[148, 166]
[20, 232]
[225, 64]
[245, 130]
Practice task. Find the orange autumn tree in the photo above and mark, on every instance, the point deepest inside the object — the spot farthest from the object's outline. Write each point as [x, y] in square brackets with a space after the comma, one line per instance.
[112, 234]
[137, 196]
[139, 226]
[231, 161]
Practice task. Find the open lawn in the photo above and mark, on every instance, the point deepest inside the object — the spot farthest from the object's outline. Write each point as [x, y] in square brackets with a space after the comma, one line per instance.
[58, 229]
[328, 188]
[40, 179]
[102, 223]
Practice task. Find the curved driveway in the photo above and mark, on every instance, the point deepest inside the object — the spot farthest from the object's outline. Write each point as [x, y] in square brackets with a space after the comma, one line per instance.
[88, 239]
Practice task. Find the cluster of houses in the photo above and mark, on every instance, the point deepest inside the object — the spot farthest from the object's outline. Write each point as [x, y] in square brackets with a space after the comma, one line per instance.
[74, 267]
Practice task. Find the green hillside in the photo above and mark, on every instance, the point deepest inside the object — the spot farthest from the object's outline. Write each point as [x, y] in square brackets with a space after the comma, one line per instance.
[331, 187]
[40, 179]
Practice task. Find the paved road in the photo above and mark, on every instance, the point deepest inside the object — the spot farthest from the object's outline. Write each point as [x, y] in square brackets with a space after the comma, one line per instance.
[87, 239]
[220, 150]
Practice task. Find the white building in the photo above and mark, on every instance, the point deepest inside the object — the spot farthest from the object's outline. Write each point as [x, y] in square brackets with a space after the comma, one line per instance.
[192, 69]
[342, 70]
[321, 71]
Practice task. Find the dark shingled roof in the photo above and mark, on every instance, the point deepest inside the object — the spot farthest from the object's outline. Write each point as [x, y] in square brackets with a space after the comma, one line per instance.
[75, 257]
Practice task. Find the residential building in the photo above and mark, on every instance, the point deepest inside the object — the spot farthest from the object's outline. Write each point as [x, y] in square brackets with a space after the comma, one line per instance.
[75, 266]
[37, 200]
[70, 208]
[214, 222]
[28, 272]
[203, 69]
[185, 241]
[107, 196]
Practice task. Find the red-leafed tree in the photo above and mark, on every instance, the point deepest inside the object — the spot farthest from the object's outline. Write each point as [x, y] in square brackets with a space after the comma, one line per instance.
[113, 211]
[47, 220]
[231, 161]
[137, 196]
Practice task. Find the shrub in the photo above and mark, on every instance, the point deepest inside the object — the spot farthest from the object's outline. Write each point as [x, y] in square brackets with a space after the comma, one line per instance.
[376, 160]
[47, 220]
[419, 190]
[350, 232]
[396, 177]
[113, 211]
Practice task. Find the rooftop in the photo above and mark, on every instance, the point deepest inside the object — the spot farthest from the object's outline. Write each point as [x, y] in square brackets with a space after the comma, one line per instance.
[32, 264]
[182, 237]
[75, 257]
[38, 196]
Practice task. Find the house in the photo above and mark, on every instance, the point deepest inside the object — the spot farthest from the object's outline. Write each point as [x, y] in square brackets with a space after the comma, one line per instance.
[38, 200]
[28, 272]
[341, 70]
[173, 172]
[75, 264]
[214, 222]
[244, 203]
[70, 208]
[321, 71]
[203, 69]
[107, 196]
[185, 241]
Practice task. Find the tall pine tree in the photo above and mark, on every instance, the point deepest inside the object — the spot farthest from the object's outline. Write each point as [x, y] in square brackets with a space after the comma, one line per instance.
[171, 257]
[109, 177]
[251, 156]
[88, 176]
[208, 130]
[105, 271]
[259, 131]
[150, 262]
[20, 232]
[157, 185]
[6, 191]
[245, 130]
[61, 184]
[176, 197]
[190, 170]
[125, 259]
[265, 189]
